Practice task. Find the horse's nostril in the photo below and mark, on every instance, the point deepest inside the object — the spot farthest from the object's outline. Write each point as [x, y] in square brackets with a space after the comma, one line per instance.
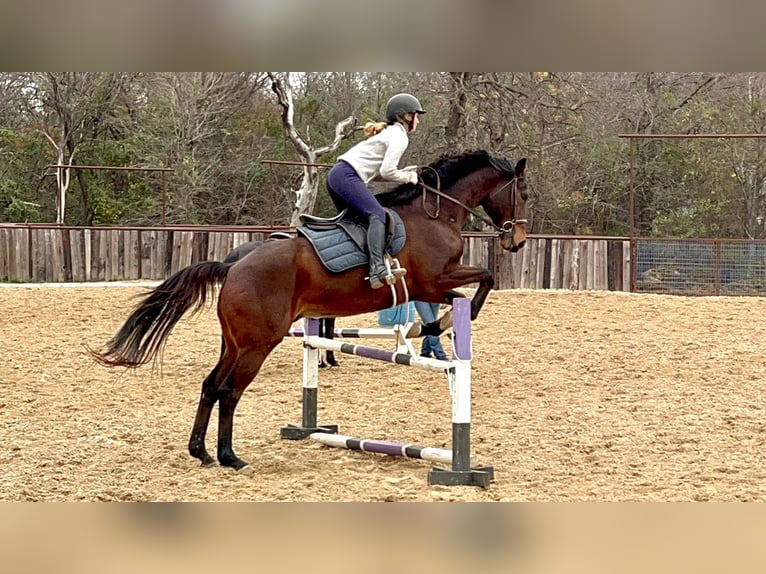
[518, 246]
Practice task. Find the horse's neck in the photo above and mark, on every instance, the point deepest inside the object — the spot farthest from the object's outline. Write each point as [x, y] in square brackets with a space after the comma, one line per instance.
[474, 188]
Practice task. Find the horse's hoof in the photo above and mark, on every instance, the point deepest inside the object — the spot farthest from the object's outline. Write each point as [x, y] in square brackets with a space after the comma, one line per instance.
[204, 458]
[246, 470]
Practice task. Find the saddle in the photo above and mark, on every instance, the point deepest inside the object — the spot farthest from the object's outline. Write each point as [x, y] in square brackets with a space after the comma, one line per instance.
[340, 242]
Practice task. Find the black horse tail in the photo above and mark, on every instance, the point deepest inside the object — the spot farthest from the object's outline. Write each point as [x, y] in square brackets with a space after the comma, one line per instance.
[145, 331]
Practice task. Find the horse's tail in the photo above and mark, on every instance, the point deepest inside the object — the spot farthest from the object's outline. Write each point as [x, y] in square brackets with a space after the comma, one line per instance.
[145, 331]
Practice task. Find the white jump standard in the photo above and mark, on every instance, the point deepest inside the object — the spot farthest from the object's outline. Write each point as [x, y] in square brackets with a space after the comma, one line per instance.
[458, 373]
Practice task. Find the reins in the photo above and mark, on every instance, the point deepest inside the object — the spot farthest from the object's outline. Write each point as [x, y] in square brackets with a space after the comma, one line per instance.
[436, 191]
[507, 226]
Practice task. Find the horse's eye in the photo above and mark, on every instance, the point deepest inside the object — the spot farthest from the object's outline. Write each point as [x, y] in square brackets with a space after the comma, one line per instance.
[524, 195]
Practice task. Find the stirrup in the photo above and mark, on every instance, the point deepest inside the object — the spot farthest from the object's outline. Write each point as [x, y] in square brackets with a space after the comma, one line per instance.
[395, 270]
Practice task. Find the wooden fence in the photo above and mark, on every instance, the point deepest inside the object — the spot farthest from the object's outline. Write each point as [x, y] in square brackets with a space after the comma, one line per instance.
[38, 253]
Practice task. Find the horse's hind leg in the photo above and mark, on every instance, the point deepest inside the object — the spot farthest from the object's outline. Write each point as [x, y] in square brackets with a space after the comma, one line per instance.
[243, 372]
[207, 399]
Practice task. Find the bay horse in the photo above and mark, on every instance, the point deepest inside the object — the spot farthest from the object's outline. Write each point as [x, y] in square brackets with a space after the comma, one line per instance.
[281, 281]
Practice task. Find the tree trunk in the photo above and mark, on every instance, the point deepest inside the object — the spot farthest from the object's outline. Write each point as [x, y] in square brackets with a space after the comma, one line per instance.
[457, 108]
[306, 195]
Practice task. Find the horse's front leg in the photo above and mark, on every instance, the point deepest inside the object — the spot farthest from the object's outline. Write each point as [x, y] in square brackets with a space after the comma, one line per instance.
[464, 275]
[458, 277]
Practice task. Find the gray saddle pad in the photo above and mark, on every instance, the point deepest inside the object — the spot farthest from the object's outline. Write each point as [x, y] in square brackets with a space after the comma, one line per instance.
[344, 246]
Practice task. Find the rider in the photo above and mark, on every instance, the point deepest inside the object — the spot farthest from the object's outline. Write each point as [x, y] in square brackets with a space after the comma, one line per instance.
[377, 157]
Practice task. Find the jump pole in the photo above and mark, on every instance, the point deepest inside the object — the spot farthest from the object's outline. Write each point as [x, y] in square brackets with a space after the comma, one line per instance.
[402, 333]
[459, 376]
[346, 333]
[440, 455]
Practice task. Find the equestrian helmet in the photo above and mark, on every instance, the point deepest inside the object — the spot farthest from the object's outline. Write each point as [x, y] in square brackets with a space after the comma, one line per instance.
[402, 104]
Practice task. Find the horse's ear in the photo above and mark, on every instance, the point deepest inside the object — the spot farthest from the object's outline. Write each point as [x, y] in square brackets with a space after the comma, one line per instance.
[520, 167]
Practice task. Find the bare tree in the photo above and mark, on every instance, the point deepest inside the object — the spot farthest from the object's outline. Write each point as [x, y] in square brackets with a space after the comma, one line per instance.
[59, 126]
[305, 196]
[189, 126]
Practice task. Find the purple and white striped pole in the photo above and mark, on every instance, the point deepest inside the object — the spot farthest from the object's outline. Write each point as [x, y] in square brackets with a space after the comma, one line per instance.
[347, 333]
[390, 448]
[377, 354]
[403, 334]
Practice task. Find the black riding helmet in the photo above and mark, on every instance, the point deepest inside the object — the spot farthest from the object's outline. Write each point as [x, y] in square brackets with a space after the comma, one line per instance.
[401, 104]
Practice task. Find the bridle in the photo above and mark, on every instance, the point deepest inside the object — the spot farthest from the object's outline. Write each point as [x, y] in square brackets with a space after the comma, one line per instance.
[505, 229]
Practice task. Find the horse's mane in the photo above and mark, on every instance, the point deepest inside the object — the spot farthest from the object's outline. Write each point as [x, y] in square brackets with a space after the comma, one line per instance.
[451, 168]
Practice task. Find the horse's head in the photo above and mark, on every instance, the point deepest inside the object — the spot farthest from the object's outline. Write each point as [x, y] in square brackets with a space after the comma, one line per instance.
[505, 205]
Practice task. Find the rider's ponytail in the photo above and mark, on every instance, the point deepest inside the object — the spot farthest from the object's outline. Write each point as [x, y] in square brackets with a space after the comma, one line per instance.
[374, 128]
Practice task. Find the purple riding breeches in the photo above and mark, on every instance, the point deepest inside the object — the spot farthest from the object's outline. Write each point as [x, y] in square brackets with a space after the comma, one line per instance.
[343, 180]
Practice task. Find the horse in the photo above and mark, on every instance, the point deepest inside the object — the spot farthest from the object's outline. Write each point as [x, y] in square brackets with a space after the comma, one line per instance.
[282, 281]
[326, 324]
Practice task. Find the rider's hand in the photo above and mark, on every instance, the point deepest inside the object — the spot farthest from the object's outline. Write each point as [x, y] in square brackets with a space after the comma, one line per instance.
[413, 177]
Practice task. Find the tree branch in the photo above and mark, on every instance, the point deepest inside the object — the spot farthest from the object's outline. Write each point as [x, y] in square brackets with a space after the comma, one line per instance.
[695, 91]
[343, 129]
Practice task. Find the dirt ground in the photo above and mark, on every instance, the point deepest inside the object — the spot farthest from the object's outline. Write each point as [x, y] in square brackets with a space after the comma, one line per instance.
[576, 396]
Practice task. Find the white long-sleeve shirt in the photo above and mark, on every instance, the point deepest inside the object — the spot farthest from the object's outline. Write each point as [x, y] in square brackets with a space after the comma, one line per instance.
[378, 156]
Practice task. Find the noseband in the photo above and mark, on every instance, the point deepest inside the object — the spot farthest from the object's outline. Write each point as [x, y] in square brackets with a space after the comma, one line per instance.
[506, 228]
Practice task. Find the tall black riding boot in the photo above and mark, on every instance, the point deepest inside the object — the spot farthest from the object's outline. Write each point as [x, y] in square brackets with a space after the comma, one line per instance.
[376, 245]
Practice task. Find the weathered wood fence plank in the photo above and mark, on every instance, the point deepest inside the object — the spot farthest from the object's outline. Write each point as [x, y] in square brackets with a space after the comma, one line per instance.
[5, 255]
